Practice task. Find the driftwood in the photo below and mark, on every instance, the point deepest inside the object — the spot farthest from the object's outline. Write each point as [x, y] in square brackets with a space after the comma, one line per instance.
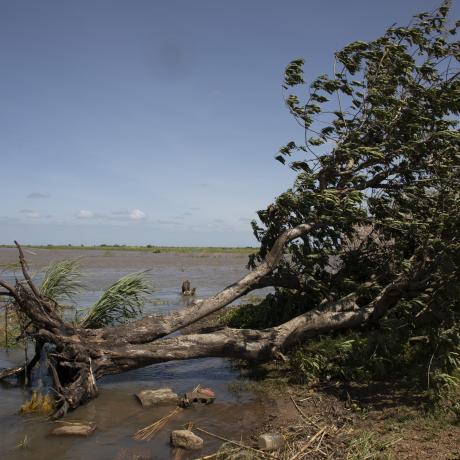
[82, 356]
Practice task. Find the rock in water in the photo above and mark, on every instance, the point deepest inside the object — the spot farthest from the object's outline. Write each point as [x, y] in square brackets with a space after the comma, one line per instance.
[186, 439]
[73, 429]
[271, 441]
[162, 396]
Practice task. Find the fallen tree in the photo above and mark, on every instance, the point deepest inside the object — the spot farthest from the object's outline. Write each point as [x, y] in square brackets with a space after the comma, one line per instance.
[380, 198]
[81, 356]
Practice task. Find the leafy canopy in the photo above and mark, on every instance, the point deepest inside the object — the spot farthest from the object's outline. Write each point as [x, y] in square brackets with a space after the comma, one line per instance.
[380, 162]
[378, 174]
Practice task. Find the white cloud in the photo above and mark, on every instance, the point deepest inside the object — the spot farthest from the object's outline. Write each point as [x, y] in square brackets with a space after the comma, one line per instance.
[137, 214]
[121, 215]
[85, 214]
[30, 214]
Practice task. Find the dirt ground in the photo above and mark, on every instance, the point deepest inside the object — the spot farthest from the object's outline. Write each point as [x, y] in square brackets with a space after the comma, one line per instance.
[375, 421]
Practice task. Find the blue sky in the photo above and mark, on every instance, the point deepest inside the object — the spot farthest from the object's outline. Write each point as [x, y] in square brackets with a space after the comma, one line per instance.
[156, 122]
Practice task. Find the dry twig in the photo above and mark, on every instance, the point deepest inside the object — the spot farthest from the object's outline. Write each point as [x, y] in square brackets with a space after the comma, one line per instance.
[147, 433]
[308, 443]
[239, 444]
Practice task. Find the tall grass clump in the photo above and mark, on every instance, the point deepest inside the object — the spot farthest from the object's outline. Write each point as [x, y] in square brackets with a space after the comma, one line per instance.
[41, 404]
[427, 364]
[62, 280]
[123, 300]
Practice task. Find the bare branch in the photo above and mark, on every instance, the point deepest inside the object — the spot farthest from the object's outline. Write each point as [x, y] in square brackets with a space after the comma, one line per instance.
[5, 373]
[27, 277]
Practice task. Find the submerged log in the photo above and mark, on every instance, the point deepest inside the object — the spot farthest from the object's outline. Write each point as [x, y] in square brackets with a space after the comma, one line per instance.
[81, 429]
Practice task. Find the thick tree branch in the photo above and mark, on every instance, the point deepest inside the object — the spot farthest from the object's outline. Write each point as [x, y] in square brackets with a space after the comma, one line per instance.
[11, 290]
[153, 327]
[265, 344]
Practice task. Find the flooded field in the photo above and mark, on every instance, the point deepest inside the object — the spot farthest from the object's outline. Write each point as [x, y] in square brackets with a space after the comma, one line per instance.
[116, 412]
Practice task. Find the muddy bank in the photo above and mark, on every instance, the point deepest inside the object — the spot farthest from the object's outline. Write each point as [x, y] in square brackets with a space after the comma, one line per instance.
[353, 422]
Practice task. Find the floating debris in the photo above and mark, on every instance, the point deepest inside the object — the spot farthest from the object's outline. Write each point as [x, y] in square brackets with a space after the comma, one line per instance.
[149, 398]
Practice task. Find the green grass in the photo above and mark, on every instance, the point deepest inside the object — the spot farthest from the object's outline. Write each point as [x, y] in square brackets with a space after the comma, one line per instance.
[148, 248]
[433, 422]
[370, 446]
[62, 280]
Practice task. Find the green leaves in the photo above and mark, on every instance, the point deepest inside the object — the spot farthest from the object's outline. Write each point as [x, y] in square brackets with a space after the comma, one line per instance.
[293, 74]
[379, 173]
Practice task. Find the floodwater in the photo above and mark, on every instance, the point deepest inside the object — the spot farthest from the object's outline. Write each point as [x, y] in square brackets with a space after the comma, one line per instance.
[116, 411]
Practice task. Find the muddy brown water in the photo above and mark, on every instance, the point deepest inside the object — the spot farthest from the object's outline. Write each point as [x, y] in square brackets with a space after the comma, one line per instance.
[116, 412]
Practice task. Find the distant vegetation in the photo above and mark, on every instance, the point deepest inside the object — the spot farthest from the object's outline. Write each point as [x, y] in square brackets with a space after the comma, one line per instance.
[147, 248]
